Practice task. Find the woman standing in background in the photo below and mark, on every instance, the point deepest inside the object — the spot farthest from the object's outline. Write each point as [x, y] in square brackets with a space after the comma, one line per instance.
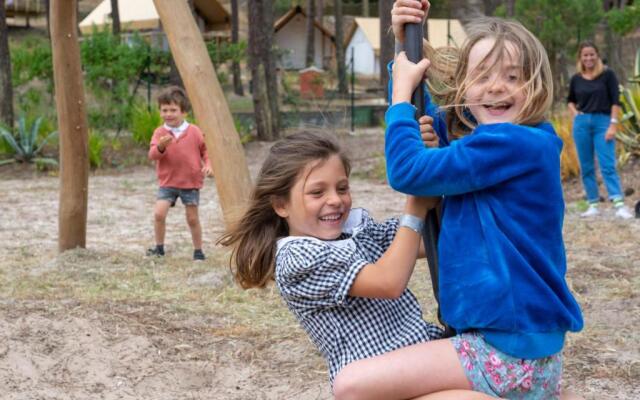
[594, 103]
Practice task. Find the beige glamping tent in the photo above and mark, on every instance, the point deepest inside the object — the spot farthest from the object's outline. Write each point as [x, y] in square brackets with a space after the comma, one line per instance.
[291, 37]
[363, 41]
[141, 15]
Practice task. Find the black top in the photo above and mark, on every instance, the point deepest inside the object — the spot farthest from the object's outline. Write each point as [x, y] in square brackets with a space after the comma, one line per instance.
[595, 96]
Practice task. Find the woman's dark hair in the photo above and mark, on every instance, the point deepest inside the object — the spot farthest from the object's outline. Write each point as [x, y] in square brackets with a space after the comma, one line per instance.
[255, 234]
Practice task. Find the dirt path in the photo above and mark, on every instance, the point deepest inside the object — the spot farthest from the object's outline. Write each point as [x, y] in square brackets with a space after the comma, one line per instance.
[109, 323]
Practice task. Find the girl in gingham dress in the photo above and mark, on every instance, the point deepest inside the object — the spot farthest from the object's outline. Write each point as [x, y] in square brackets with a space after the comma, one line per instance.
[342, 274]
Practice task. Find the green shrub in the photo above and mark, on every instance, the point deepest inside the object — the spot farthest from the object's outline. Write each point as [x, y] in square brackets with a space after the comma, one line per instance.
[569, 164]
[143, 122]
[31, 59]
[629, 133]
[27, 143]
[224, 52]
[243, 127]
[111, 68]
[96, 146]
[32, 75]
[624, 20]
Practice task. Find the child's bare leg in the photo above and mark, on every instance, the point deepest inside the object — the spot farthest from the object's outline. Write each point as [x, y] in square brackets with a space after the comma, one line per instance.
[405, 373]
[456, 395]
[194, 225]
[160, 211]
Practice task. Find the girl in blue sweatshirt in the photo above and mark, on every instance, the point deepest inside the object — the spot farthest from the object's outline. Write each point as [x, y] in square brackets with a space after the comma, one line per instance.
[501, 252]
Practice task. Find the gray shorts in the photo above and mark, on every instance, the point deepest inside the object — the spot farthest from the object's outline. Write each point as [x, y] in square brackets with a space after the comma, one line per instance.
[189, 197]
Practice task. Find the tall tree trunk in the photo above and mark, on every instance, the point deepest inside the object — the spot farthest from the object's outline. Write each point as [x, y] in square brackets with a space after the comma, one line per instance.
[340, 56]
[466, 10]
[555, 58]
[115, 17]
[48, 16]
[174, 75]
[491, 5]
[386, 42]
[6, 90]
[613, 44]
[262, 66]
[72, 125]
[511, 8]
[365, 8]
[235, 66]
[320, 11]
[311, 38]
[323, 38]
[272, 72]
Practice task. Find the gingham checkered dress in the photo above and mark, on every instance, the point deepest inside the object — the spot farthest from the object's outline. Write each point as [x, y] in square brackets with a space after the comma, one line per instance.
[314, 278]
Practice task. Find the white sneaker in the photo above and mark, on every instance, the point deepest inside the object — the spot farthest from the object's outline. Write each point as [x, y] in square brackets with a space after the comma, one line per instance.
[592, 211]
[623, 212]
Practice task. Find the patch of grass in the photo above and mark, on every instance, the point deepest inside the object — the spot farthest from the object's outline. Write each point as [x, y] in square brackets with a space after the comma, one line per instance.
[240, 104]
[176, 285]
[582, 205]
[376, 170]
[569, 165]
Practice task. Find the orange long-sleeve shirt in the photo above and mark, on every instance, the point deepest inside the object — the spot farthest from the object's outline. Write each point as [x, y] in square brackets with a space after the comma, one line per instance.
[180, 164]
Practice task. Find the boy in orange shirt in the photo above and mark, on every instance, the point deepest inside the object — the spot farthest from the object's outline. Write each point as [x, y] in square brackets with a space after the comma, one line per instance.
[180, 154]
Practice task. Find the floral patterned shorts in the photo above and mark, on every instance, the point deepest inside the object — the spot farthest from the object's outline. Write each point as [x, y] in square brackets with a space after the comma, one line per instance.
[497, 374]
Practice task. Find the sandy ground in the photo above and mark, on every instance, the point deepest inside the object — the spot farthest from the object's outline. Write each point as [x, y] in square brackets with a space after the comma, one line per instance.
[88, 324]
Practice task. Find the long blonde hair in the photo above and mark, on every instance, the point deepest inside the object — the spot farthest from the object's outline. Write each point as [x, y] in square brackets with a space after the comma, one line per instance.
[599, 67]
[255, 234]
[451, 87]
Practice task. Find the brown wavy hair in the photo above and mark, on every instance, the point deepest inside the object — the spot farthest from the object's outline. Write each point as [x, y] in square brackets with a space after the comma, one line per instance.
[175, 95]
[253, 237]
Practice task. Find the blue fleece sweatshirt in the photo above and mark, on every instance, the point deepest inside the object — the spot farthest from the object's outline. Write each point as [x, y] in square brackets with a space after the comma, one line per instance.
[501, 252]
[431, 109]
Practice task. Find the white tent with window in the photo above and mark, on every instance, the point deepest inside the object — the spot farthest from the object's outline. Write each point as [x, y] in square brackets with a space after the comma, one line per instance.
[363, 41]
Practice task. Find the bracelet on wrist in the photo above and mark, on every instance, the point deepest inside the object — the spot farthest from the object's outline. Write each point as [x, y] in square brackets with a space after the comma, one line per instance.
[614, 121]
[412, 222]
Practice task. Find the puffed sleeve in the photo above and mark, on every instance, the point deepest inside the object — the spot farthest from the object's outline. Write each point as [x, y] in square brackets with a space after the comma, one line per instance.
[311, 274]
[381, 232]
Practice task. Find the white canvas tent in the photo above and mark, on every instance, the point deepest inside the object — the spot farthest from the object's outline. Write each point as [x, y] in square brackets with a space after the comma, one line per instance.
[363, 41]
[141, 15]
[290, 35]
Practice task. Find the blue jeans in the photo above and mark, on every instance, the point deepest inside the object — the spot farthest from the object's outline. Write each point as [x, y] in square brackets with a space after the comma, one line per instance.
[588, 133]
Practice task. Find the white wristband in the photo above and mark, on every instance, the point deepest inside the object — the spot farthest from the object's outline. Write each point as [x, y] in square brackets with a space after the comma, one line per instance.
[412, 222]
[614, 120]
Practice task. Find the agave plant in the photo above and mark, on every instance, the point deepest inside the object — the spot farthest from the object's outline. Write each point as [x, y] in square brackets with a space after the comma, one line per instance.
[629, 135]
[26, 145]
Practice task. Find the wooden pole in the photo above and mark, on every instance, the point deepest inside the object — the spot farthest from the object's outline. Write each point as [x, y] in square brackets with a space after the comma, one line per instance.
[72, 126]
[209, 105]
